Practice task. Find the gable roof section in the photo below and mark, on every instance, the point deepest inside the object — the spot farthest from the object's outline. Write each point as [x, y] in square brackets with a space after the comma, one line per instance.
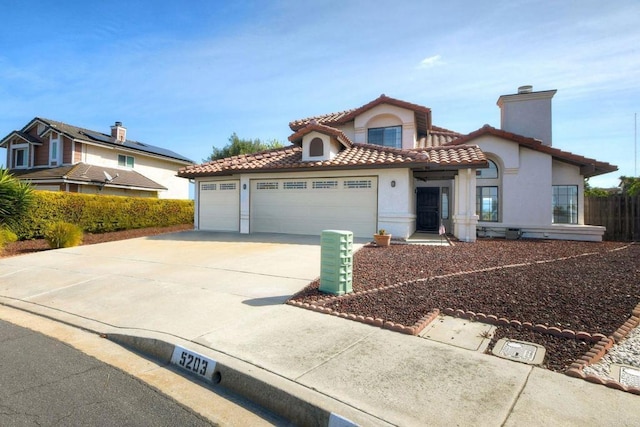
[588, 167]
[327, 130]
[356, 156]
[422, 114]
[90, 136]
[89, 174]
[22, 135]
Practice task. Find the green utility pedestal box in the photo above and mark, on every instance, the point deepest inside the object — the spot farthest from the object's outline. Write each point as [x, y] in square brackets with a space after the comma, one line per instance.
[336, 262]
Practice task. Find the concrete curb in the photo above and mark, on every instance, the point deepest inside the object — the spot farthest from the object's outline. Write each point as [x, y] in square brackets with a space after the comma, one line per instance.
[281, 396]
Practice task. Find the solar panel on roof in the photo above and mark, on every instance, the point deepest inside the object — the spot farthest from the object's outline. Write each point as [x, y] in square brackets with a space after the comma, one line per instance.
[98, 136]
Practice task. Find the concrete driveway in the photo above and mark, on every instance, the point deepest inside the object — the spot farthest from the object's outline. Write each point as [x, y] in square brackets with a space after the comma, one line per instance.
[215, 277]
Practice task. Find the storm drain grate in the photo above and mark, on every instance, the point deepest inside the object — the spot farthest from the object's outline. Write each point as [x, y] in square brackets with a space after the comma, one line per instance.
[627, 375]
[520, 351]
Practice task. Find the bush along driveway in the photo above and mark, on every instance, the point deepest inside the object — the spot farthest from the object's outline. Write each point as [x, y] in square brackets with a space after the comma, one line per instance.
[567, 296]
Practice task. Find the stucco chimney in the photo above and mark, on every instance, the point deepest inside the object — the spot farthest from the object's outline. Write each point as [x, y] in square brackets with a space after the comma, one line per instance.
[119, 132]
[527, 113]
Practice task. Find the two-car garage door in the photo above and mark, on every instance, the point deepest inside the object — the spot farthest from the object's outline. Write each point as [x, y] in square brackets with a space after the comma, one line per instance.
[308, 206]
[292, 206]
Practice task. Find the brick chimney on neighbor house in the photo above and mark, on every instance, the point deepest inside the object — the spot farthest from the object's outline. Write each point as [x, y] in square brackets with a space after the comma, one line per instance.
[119, 132]
[527, 113]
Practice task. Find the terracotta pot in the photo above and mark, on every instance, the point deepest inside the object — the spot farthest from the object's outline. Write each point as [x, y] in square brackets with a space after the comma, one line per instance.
[382, 239]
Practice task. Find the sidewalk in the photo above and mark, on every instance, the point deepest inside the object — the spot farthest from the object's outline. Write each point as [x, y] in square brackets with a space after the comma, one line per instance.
[221, 296]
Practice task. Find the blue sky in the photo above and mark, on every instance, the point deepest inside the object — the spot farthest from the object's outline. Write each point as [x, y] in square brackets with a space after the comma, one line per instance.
[186, 75]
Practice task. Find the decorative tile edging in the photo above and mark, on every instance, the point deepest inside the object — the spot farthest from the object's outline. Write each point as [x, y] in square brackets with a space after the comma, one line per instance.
[599, 350]
[415, 329]
[538, 327]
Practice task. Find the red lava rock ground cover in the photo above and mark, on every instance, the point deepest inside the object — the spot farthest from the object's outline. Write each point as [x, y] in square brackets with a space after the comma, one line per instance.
[36, 245]
[579, 286]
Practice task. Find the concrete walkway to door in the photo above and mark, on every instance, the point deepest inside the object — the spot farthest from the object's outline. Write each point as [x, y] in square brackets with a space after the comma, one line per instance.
[221, 295]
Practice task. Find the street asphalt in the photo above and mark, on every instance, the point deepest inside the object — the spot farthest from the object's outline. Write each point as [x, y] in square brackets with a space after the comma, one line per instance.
[45, 383]
[220, 296]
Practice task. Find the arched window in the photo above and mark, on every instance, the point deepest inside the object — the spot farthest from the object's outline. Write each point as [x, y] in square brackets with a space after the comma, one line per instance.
[488, 193]
[316, 147]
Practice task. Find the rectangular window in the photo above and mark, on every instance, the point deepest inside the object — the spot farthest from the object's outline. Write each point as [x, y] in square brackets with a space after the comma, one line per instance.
[294, 185]
[487, 203]
[325, 184]
[267, 186]
[444, 202]
[20, 158]
[361, 183]
[207, 187]
[565, 204]
[125, 161]
[228, 186]
[387, 137]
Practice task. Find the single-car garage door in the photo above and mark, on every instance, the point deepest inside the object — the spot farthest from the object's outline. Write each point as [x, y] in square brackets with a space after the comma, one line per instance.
[219, 206]
[308, 206]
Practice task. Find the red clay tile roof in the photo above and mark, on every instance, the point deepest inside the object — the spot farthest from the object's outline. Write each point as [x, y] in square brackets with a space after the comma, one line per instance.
[589, 167]
[423, 114]
[89, 174]
[437, 137]
[315, 126]
[355, 156]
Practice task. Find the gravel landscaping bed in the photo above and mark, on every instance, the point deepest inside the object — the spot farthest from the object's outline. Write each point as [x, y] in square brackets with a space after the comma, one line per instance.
[576, 286]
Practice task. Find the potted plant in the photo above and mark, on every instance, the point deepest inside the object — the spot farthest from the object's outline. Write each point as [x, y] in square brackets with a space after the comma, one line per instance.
[382, 238]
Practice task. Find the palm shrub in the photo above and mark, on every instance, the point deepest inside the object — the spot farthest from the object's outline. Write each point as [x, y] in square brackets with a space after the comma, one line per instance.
[15, 198]
[62, 234]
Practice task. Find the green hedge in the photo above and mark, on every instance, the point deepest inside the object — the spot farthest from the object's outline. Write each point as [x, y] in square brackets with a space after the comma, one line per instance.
[99, 214]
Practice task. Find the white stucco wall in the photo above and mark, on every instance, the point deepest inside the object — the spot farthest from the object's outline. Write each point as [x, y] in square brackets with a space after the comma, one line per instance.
[331, 147]
[161, 171]
[525, 186]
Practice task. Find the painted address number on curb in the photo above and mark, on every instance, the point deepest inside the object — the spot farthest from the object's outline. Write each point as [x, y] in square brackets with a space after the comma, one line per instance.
[193, 362]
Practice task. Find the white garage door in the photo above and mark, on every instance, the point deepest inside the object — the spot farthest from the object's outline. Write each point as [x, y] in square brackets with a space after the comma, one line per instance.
[219, 206]
[308, 206]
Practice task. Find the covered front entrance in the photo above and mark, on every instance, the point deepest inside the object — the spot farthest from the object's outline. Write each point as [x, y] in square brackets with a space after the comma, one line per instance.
[428, 209]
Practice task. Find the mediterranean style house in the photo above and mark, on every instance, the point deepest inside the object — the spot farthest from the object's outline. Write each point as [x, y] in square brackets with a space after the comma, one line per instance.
[56, 156]
[384, 165]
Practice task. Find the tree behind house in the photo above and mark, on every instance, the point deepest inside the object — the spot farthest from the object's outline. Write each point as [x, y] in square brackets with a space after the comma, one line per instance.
[238, 146]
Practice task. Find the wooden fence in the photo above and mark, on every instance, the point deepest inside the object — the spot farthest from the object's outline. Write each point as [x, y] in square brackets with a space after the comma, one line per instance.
[620, 214]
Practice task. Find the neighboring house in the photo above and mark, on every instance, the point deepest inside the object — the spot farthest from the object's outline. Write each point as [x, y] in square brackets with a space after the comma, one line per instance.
[385, 165]
[59, 157]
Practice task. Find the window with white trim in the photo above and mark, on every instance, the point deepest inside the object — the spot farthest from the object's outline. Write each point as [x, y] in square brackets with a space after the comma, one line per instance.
[227, 186]
[19, 158]
[487, 203]
[272, 185]
[125, 161]
[488, 193]
[390, 136]
[294, 185]
[359, 183]
[565, 204]
[324, 184]
[55, 149]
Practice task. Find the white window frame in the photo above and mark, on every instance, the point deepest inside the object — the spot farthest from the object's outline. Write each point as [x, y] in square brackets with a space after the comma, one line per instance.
[55, 149]
[14, 151]
[126, 162]
[396, 143]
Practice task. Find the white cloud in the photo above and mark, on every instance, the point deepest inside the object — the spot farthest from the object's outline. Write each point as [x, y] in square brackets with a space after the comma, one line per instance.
[431, 61]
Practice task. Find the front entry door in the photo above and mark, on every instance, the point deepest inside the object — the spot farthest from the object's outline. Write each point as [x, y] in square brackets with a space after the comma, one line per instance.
[428, 215]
